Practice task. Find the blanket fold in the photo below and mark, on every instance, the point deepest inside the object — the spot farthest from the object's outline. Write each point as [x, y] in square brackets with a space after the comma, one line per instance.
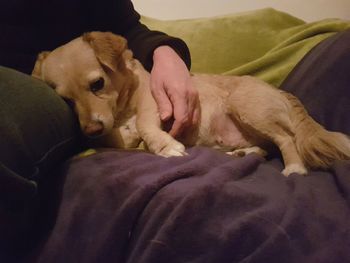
[132, 207]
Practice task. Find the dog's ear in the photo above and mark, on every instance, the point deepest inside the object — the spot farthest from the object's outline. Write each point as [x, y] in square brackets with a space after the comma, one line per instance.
[38, 63]
[108, 48]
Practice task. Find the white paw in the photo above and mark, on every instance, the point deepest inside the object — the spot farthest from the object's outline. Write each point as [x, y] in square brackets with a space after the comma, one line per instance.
[245, 151]
[294, 168]
[237, 153]
[173, 149]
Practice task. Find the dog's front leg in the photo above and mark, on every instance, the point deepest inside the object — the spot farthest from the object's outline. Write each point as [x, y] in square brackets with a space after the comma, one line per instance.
[148, 126]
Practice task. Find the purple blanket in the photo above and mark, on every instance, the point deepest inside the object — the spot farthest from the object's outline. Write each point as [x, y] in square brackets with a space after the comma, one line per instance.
[131, 207]
[206, 207]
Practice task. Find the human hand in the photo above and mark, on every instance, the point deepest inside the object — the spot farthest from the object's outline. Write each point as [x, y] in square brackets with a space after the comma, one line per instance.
[172, 90]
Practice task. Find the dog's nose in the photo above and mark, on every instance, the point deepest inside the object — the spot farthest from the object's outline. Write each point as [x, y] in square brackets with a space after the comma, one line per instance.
[94, 129]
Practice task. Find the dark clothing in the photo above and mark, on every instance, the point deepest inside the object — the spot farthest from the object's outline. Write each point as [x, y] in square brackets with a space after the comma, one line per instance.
[29, 27]
[38, 132]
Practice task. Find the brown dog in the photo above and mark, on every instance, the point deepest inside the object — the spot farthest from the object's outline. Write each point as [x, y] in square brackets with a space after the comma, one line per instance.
[110, 93]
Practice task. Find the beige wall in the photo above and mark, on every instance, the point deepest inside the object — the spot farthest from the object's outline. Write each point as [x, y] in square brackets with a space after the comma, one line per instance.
[309, 10]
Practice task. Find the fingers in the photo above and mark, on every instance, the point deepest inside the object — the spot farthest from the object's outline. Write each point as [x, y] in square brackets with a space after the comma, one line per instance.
[181, 116]
[165, 106]
[186, 111]
[193, 106]
[180, 102]
[196, 113]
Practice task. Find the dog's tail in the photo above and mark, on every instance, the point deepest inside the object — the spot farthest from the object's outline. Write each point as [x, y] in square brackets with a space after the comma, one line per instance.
[317, 147]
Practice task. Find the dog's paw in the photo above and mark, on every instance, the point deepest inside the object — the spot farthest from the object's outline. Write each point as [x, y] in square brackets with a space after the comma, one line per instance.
[294, 168]
[245, 151]
[173, 149]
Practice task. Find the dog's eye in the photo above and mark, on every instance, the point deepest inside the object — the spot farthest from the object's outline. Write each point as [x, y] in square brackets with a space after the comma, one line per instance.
[97, 85]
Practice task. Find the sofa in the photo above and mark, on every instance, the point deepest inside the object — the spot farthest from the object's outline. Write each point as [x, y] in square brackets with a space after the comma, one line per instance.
[110, 205]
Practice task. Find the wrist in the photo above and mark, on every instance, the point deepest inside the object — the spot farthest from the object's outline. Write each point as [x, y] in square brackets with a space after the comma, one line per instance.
[163, 52]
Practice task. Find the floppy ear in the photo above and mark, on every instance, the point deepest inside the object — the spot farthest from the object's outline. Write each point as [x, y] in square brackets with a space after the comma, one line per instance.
[108, 48]
[38, 63]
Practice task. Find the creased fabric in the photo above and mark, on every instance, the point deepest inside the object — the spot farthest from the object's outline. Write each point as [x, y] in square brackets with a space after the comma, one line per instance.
[206, 207]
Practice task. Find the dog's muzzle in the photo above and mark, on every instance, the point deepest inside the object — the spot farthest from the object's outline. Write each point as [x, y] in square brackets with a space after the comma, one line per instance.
[94, 129]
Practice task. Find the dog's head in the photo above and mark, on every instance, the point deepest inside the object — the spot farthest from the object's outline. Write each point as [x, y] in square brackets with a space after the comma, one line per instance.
[90, 74]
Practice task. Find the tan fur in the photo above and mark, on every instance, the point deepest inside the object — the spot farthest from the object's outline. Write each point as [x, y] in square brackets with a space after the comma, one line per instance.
[108, 48]
[239, 115]
[37, 67]
[318, 147]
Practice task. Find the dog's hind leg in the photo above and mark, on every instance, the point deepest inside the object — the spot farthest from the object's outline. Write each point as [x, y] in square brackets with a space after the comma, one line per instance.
[291, 158]
[264, 112]
[281, 136]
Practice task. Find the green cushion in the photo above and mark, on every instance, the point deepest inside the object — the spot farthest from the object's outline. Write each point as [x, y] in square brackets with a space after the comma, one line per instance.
[265, 43]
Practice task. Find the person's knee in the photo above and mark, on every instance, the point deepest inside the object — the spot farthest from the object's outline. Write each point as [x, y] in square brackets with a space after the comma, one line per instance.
[38, 130]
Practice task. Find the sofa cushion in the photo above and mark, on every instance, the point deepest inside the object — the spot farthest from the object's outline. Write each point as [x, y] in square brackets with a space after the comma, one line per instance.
[265, 43]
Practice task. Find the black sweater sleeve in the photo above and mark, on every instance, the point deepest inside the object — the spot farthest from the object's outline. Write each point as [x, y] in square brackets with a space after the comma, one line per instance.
[30, 26]
[120, 17]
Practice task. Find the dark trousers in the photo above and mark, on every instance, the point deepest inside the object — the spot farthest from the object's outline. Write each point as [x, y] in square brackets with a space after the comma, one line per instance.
[37, 133]
[321, 80]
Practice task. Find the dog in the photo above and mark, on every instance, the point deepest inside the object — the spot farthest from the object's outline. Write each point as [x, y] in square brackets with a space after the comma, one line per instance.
[110, 92]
